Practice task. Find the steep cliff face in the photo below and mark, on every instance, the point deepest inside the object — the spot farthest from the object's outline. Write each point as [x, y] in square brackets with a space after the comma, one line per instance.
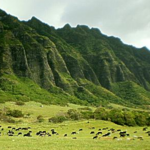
[79, 64]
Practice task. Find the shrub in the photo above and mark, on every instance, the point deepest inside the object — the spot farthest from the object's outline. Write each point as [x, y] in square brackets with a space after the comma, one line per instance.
[15, 113]
[87, 114]
[40, 118]
[85, 109]
[117, 116]
[74, 114]
[57, 119]
[20, 103]
[101, 113]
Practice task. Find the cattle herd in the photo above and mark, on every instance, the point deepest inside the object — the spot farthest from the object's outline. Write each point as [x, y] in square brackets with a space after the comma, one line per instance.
[100, 133]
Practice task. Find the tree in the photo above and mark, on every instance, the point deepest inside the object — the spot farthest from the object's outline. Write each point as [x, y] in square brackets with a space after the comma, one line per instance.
[129, 118]
[117, 116]
[74, 114]
[101, 113]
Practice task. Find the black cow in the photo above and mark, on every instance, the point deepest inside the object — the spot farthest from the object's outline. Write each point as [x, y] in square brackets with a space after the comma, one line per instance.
[145, 128]
[27, 134]
[114, 137]
[123, 134]
[20, 133]
[74, 133]
[98, 133]
[107, 134]
[95, 137]
[92, 132]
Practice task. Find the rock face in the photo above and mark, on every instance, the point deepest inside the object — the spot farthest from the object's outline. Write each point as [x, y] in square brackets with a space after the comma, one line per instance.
[79, 61]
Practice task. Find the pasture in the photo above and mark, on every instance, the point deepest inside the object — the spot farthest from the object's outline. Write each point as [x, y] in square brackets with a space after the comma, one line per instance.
[65, 139]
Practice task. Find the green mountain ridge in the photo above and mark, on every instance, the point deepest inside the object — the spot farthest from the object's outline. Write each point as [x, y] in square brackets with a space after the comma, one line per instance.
[79, 65]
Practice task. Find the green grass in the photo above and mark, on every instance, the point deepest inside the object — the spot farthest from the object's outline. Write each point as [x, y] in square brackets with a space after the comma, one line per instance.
[84, 138]
[35, 109]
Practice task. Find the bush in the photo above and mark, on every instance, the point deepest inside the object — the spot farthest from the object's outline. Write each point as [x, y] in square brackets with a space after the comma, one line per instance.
[101, 113]
[57, 119]
[87, 114]
[40, 118]
[15, 113]
[74, 114]
[20, 103]
[117, 116]
[85, 109]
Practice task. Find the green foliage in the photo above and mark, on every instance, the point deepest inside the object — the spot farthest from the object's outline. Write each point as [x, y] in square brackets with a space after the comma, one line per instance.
[57, 119]
[117, 116]
[101, 113]
[40, 118]
[87, 114]
[15, 113]
[74, 114]
[78, 65]
[20, 103]
[130, 119]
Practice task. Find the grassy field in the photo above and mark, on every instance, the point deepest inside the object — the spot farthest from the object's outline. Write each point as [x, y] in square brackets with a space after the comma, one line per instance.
[35, 109]
[82, 140]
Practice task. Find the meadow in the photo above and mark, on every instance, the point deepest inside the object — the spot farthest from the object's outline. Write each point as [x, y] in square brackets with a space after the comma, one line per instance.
[81, 140]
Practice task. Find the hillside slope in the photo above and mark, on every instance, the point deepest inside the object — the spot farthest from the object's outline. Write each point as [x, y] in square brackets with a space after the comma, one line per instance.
[78, 65]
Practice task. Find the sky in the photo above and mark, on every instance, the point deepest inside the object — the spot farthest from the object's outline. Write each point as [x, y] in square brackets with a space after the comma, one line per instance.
[127, 19]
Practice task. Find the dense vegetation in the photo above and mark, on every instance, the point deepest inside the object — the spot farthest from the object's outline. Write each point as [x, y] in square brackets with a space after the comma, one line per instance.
[118, 116]
[78, 65]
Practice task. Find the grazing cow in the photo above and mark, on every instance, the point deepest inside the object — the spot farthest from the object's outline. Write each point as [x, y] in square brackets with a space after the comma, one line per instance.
[95, 137]
[27, 134]
[92, 132]
[135, 132]
[10, 133]
[48, 134]
[74, 138]
[105, 128]
[18, 129]
[80, 129]
[145, 128]
[74, 133]
[24, 128]
[114, 137]
[98, 133]
[20, 133]
[147, 132]
[41, 133]
[54, 132]
[127, 134]
[119, 130]
[65, 135]
[9, 127]
[122, 134]
[107, 134]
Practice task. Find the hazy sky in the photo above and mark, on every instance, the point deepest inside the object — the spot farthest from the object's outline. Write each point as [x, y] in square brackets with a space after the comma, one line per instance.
[126, 19]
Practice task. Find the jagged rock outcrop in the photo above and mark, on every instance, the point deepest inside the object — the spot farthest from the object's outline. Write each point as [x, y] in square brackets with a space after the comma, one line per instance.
[80, 61]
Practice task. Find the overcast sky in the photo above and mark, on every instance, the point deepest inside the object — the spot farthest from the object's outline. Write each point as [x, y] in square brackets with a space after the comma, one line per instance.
[126, 19]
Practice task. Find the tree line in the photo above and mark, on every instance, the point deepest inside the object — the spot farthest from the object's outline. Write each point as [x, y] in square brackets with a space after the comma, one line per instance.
[118, 116]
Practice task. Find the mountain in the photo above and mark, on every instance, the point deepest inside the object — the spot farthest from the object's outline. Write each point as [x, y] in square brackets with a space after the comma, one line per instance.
[77, 65]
